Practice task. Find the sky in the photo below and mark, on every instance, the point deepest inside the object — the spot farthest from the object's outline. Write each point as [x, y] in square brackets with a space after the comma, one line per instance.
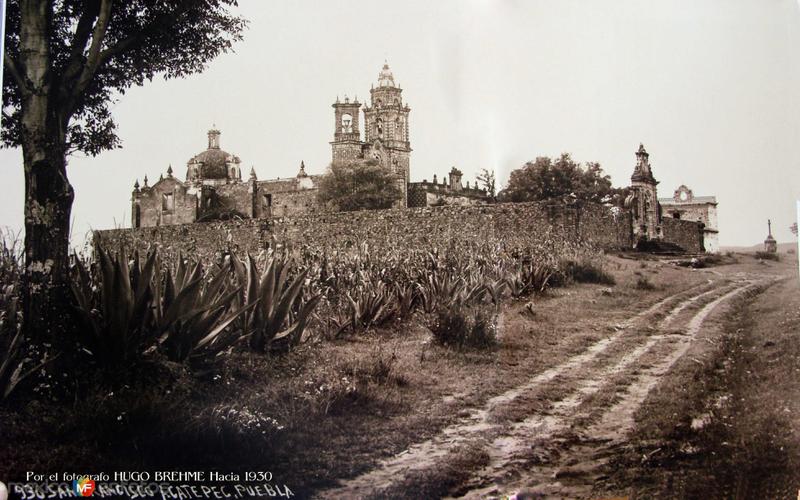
[711, 87]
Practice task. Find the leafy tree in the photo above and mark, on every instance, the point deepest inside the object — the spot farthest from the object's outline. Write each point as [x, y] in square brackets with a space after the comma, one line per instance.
[486, 180]
[561, 179]
[66, 63]
[358, 185]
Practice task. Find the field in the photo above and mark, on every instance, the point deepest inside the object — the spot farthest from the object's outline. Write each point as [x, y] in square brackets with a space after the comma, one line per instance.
[630, 384]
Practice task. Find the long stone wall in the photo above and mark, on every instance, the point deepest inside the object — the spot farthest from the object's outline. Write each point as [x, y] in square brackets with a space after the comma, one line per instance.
[606, 228]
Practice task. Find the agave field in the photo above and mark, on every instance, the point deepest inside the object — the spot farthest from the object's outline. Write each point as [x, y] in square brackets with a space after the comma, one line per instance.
[129, 307]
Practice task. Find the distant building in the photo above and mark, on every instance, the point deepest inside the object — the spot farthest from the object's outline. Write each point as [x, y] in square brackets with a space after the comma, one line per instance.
[450, 192]
[770, 245]
[214, 188]
[653, 229]
[686, 206]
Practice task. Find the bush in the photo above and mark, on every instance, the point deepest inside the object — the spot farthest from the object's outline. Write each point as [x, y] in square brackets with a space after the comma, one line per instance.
[767, 256]
[644, 284]
[457, 326]
[586, 271]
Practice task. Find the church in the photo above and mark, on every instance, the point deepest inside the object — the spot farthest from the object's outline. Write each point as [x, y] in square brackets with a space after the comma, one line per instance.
[661, 222]
[213, 188]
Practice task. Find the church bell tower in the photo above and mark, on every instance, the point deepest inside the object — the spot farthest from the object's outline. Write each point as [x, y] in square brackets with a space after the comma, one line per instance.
[346, 144]
[386, 132]
[644, 199]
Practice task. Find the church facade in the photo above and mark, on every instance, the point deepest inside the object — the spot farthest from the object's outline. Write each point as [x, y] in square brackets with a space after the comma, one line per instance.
[214, 189]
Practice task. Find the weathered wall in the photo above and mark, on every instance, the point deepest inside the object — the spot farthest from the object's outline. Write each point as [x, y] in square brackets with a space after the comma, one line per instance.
[402, 227]
[236, 197]
[705, 212]
[686, 234]
[152, 207]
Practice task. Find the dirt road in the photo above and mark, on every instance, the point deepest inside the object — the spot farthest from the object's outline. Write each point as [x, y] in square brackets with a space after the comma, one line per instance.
[557, 434]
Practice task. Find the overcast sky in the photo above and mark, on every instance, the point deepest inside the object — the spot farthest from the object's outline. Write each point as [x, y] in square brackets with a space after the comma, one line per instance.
[712, 88]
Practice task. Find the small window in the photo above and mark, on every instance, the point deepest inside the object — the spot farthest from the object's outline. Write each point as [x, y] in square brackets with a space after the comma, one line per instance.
[347, 123]
[267, 201]
[168, 202]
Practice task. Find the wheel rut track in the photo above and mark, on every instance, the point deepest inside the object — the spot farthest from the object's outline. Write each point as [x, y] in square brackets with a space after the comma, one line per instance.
[570, 459]
[509, 446]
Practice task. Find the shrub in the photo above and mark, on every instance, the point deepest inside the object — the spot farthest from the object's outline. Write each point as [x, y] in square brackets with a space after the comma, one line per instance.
[460, 327]
[644, 284]
[767, 256]
[586, 271]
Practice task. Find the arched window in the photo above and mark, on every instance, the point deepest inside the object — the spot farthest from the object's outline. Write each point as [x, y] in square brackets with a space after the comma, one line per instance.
[379, 127]
[398, 129]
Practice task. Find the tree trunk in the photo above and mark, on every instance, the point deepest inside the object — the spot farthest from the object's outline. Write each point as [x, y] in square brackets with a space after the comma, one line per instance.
[48, 205]
[48, 194]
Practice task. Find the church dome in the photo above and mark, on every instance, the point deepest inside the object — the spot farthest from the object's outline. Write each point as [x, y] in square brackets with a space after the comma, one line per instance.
[213, 161]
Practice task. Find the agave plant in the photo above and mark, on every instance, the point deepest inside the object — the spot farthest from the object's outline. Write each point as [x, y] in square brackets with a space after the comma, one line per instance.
[444, 289]
[529, 278]
[370, 305]
[116, 306]
[406, 296]
[274, 307]
[194, 313]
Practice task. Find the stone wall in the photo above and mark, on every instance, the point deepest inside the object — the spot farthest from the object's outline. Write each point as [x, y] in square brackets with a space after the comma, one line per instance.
[686, 234]
[404, 228]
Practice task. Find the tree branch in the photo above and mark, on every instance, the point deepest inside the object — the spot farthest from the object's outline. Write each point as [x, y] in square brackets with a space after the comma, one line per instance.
[93, 58]
[163, 22]
[82, 32]
[13, 70]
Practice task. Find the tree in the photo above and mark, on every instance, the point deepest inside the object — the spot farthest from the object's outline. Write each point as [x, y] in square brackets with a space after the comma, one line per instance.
[486, 180]
[65, 64]
[358, 185]
[560, 179]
